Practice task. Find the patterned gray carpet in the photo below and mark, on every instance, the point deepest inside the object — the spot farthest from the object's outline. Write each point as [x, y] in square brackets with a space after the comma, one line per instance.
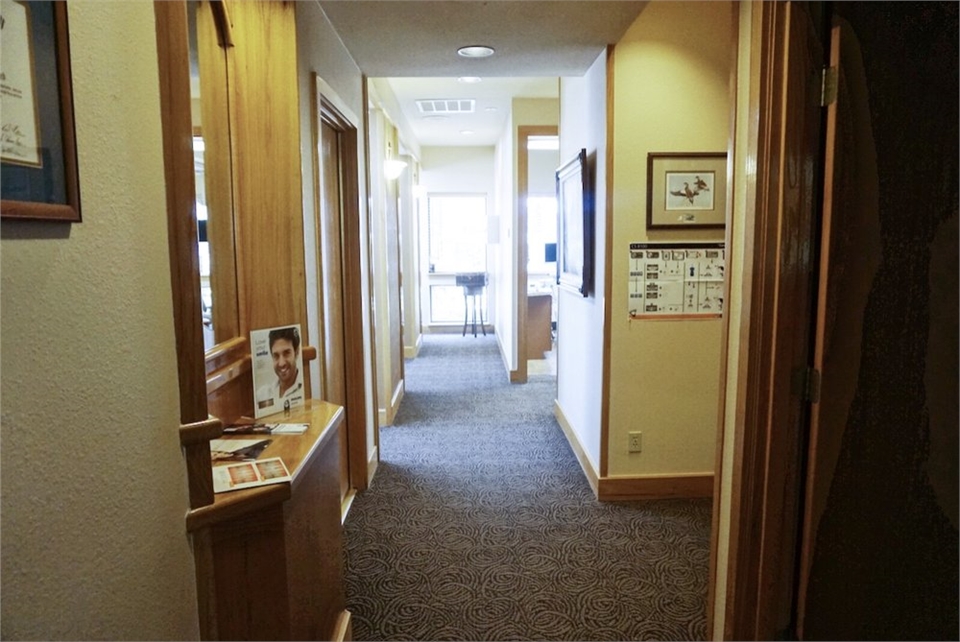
[480, 525]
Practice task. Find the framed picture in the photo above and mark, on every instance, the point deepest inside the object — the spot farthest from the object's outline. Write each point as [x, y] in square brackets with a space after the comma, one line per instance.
[575, 227]
[38, 156]
[686, 190]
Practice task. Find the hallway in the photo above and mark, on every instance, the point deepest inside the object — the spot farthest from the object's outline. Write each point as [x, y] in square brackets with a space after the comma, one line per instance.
[480, 525]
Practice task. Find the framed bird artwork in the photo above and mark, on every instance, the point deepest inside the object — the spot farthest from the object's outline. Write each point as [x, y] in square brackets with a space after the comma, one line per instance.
[686, 190]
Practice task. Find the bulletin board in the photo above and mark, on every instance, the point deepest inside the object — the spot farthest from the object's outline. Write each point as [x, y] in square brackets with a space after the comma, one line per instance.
[676, 280]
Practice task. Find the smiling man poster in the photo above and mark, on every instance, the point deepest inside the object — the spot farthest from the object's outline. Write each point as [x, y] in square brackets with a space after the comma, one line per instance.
[277, 370]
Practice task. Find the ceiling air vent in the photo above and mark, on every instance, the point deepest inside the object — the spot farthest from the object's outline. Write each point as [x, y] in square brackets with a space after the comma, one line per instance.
[446, 106]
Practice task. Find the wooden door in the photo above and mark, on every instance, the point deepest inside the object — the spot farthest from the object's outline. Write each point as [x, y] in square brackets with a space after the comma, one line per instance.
[334, 377]
[776, 338]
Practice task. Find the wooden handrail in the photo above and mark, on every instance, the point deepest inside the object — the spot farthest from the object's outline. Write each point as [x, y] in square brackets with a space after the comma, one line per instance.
[196, 432]
[195, 440]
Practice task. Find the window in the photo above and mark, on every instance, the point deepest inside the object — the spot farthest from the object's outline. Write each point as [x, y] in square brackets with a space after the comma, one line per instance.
[457, 233]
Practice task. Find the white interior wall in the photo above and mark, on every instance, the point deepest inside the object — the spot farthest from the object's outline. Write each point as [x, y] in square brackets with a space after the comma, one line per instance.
[505, 281]
[583, 124]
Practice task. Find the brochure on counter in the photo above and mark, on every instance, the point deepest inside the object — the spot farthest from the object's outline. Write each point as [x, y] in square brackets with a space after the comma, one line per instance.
[248, 474]
[265, 429]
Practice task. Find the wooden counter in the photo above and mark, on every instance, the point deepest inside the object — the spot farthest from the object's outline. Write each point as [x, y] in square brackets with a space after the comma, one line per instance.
[539, 334]
[269, 559]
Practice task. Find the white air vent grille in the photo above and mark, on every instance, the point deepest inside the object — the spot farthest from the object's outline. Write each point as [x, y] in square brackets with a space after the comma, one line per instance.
[446, 106]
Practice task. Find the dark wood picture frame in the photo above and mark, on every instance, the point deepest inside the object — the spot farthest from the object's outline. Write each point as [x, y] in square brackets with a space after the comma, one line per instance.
[686, 190]
[50, 192]
[575, 225]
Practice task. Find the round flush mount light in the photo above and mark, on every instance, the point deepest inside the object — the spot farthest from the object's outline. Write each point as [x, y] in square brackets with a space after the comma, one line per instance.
[475, 51]
[469, 79]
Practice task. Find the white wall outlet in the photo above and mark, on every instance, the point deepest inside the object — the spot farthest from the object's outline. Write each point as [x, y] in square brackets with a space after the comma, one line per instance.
[634, 442]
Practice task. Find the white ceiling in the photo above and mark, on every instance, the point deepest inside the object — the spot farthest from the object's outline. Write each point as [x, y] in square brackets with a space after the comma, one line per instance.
[412, 45]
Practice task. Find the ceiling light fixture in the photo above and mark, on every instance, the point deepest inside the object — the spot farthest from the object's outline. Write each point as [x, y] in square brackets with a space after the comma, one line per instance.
[466, 132]
[469, 79]
[475, 51]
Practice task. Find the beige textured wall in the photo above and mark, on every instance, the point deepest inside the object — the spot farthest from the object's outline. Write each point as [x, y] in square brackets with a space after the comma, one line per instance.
[670, 85]
[93, 484]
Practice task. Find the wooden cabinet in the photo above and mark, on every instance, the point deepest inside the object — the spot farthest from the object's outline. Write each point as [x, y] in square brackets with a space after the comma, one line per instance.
[269, 559]
[539, 334]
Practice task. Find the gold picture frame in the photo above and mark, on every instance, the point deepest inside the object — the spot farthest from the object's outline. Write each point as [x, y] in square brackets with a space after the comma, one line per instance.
[42, 183]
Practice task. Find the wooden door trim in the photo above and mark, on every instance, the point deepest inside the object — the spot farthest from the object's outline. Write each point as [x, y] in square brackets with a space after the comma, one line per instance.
[524, 132]
[729, 233]
[777, 212]
[334, 113]
[177, 129]
[755, 349]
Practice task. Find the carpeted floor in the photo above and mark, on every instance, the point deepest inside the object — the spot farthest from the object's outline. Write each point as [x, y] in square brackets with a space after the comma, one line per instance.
[480, 525]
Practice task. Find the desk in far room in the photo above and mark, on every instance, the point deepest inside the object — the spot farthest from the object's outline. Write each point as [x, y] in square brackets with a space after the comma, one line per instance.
[539, 335]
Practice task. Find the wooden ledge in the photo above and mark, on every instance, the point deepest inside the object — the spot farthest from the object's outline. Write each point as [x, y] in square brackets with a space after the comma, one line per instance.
[296, 451]
[234, 504]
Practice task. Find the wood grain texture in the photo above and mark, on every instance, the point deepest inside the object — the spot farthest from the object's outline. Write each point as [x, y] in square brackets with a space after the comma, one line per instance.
[174, 70]
[346, 127]
[265, 138]
[538, 327]
[607, 213]
[631, 488]
[276, 550]
[249, 561]
[330, 278]
[216, 67]
[775, 329]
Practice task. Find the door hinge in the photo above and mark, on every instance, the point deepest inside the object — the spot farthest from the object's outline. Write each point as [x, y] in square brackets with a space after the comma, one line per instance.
[811, 385]
[828, 86]
[805, 383]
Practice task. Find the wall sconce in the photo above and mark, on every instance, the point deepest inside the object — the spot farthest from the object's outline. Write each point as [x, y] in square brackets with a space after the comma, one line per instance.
[392, 168]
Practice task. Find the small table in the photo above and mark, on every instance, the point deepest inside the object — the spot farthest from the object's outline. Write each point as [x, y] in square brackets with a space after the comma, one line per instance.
[473, 284]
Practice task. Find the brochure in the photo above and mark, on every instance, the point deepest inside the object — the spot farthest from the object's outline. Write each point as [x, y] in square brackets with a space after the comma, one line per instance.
[237, 449]
[266, 429]
[277, 370]
[249, 474]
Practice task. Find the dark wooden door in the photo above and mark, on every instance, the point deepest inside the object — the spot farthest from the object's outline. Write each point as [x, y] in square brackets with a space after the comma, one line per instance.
[334, 377]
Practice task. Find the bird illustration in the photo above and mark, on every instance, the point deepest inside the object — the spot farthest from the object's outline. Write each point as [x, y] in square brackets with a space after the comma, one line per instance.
[686, 193]
[700, 184]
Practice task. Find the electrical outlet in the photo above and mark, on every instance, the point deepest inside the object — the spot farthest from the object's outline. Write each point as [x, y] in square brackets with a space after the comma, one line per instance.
[634, 442]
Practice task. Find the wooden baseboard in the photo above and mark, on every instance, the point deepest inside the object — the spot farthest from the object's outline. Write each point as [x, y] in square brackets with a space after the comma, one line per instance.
[345, 505]
[387, 415]
[628, 488]
[372, 463]
[343, 631]
[576, 447]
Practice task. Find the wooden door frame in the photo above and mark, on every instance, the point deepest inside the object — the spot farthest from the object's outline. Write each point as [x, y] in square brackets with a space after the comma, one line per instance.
[328, 107]
[524, 132]
[760, 570]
